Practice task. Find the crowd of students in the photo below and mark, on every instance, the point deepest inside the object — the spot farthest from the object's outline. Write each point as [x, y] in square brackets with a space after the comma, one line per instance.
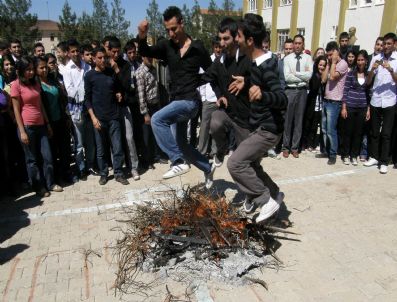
[100, 106]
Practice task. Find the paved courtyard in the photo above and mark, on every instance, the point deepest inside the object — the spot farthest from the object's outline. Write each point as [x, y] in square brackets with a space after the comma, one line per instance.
[60, 248]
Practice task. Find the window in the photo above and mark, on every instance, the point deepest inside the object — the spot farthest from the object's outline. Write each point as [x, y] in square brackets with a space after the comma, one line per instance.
[52, 37]
[300, 31]
[282, 36]
[268, 4]
[285, 2]
[252, 5]
[353, 3]
[366, 2]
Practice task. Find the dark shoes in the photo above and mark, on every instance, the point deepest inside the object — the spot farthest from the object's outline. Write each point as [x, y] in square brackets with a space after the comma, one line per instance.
[43, 193]
[285, 153]
[295, 154]
[331, 161]
[121, 179]
[103, 180]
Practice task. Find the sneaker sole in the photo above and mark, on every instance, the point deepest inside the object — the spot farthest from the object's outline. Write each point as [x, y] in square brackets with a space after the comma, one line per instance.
[176, 174]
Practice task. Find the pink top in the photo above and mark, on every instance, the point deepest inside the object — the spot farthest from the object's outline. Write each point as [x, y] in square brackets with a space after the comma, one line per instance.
[30, 101]
[334, 89]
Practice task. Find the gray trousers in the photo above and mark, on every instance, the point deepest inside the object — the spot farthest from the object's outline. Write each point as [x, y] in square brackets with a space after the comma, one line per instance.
[204, 135]
[245, 167]
[220, 126]
[294, 118]
[127, 132]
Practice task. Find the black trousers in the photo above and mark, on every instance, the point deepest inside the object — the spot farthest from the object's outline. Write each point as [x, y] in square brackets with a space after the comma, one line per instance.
[352, 132]
[382, 120]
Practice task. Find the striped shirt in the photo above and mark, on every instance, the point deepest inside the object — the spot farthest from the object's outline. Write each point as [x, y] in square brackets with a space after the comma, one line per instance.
[334, 88]
[147, 86]
[355, 95]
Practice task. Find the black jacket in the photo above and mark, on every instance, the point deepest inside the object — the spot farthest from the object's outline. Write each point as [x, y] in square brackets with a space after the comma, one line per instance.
[184, 71]
[266, 113]
[220, 76]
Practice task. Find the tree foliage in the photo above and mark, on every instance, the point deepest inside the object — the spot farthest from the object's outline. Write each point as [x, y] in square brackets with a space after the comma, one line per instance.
[17, 22]
[100, 18]
[155, 19]
[118, 24]
[68, 26]
[87, 30]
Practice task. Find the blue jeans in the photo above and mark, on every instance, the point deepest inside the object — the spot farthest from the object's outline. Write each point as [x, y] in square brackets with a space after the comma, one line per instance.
[174, 141]
[83, 136]
[109, 130]
[330, 116]
[38, 143]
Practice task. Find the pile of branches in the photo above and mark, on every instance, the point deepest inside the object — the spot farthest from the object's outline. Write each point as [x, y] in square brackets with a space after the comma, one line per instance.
[191, 220]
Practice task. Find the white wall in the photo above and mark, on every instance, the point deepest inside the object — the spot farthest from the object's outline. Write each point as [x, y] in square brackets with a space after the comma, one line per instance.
[330, 18]
[367, 21]
[305, 20]
[284, 17]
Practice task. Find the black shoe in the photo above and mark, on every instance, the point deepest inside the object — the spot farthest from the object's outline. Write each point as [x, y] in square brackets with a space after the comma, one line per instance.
[162, 161]
[331, 161]
[83, 176]
[103, 180]
[93, 172]
[151, 167]
[122, 180]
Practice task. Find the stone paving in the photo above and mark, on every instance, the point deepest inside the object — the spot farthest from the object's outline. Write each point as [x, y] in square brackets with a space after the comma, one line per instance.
[60, 248]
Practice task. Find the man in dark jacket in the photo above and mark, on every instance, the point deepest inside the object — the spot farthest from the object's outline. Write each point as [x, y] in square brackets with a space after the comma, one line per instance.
[267, 100]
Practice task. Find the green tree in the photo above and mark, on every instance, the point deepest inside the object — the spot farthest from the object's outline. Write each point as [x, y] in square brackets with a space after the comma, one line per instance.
[228, 7]
[68, 23]
[17, 22]
[155, 19]
[187, 19]
[197, 20]
[118, 24]
[210, 23]
[100, 18]
[86, 29]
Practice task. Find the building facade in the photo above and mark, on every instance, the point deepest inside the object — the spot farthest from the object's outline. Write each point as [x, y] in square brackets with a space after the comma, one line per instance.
[49, 34]
[321, 21]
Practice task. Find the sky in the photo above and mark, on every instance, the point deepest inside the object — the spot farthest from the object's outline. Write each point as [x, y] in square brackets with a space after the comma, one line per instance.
[135, 10]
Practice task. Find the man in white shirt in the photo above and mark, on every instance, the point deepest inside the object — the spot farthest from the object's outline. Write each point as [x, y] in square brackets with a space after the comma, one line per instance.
[383, 70]
[62, 56]
[298, 69]
[209, 99]
[83, 132]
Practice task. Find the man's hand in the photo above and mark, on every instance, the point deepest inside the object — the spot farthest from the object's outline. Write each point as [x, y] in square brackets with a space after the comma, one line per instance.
[387, 66]
[335, 57]
[375, 65]
[147, 119]
[119, 97]
[237, 85]
[114, 66]
[96, 123]
[368, 115]
[222, 101]
[343, 113]
[143, 29]
[255, 93]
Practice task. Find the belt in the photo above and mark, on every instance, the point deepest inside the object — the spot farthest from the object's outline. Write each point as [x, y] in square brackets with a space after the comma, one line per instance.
[295, 88]
[332, 101]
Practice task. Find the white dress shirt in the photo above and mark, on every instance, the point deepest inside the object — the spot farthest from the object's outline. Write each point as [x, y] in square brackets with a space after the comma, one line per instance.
[295, 78]
[384, 88]
[73, 77]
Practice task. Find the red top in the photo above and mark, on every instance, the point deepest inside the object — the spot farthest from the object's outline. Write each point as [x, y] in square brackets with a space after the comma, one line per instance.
[30, 101]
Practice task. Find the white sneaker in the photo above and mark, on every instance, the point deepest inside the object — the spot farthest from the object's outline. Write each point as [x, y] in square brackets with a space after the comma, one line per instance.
[268, 210]
[135, 175]
[177, 170]
[354, 161]
[371, 162]
[209, 177]
[346, 161]
[383, 169]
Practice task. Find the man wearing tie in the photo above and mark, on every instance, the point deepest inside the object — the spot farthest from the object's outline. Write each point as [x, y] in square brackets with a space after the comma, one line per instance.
[298, 69]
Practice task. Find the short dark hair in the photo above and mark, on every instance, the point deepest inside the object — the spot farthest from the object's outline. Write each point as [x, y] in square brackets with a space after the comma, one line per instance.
[50, 55]
[215, 41]
[379, 39]
[114, 43]
[85, 47]
[343, 35]
[21, 67]
[171, 12]
[106, 38]
[299, 36]
[129, 45]
[98, 49]
[332, 46]
[73, 43]
[95, 42]
[4, 44]
[38, 44]
[389, 36]
[15, 41]
[63, 46]
[228, 24]
[252, 26]
[289, 40]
